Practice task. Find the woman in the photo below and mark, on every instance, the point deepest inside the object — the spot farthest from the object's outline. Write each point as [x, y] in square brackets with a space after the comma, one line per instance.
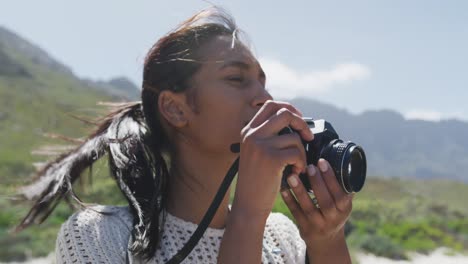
[203, 90]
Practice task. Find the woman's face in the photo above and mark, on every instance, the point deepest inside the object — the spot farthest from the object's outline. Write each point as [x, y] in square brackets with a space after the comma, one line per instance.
[229, 88]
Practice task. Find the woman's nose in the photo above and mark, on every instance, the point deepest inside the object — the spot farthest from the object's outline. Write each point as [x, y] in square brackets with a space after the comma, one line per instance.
[262, 96]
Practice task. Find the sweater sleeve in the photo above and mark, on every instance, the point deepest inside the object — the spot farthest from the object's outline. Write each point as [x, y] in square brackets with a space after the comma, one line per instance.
[291, 241]
[92, 237]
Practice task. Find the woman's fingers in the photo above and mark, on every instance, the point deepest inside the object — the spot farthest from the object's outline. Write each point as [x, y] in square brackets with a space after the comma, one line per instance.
[308, 207]
[274, 116]
[281, 119]
[295, 208]
[329, 194]
[291, 156]
[341, 198]
[323, 195]
[325, 218]
[268, 109]
[290, 141]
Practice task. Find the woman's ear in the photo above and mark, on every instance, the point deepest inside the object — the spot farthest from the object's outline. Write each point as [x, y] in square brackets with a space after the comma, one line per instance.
[173, 107]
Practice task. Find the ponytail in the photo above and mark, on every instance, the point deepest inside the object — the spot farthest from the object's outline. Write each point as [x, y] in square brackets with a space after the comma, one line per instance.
[137, 166]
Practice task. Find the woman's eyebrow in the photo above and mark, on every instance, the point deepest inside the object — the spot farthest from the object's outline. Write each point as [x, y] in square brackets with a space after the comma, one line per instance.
[238, 64]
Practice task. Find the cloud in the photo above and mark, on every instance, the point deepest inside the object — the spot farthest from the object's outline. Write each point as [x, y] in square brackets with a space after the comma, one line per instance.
[431, 115]
[285, 82]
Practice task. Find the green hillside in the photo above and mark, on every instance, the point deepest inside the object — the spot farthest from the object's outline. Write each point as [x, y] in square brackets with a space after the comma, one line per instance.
[36, 103]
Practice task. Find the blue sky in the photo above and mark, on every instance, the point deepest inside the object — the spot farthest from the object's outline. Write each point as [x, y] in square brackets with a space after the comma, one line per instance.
[408, 56]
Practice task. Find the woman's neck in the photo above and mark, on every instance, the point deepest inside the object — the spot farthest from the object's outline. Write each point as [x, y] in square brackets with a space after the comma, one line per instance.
[192, 185]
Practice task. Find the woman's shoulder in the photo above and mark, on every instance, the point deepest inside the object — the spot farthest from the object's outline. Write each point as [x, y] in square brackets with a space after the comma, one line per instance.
[95, 234]
[101, 215]
[104, 220]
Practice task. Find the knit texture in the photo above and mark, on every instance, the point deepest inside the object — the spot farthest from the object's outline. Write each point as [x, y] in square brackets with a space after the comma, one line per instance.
[91, 237]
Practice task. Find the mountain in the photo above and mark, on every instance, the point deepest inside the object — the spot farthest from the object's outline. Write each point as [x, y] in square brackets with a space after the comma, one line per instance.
[11, 42]
[119, 87]
[16, 51]
[395, 146]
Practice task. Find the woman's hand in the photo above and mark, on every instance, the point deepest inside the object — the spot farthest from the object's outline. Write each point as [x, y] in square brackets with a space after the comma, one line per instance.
[264, 155]
[321, 228]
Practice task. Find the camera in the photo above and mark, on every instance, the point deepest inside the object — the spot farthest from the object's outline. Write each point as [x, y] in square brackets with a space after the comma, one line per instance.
[347, 159]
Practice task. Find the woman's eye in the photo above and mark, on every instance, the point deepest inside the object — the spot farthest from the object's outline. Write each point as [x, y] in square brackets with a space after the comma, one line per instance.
[238, 79]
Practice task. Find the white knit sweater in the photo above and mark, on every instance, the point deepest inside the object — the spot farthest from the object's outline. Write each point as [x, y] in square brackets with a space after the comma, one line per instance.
[90, 237]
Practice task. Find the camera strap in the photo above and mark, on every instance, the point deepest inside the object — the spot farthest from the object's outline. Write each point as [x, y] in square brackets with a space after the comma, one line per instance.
[188, 247]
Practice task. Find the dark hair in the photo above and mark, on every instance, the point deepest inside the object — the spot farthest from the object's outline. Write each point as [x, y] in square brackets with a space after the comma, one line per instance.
[134, 137]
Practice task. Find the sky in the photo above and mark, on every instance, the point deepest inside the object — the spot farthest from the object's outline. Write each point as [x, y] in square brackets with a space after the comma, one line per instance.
[407, 56]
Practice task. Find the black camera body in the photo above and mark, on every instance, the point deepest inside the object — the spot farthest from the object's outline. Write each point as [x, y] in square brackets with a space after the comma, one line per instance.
[347, 160]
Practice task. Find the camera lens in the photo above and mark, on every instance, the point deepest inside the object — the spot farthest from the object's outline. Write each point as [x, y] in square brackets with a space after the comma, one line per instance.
[349, 163]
